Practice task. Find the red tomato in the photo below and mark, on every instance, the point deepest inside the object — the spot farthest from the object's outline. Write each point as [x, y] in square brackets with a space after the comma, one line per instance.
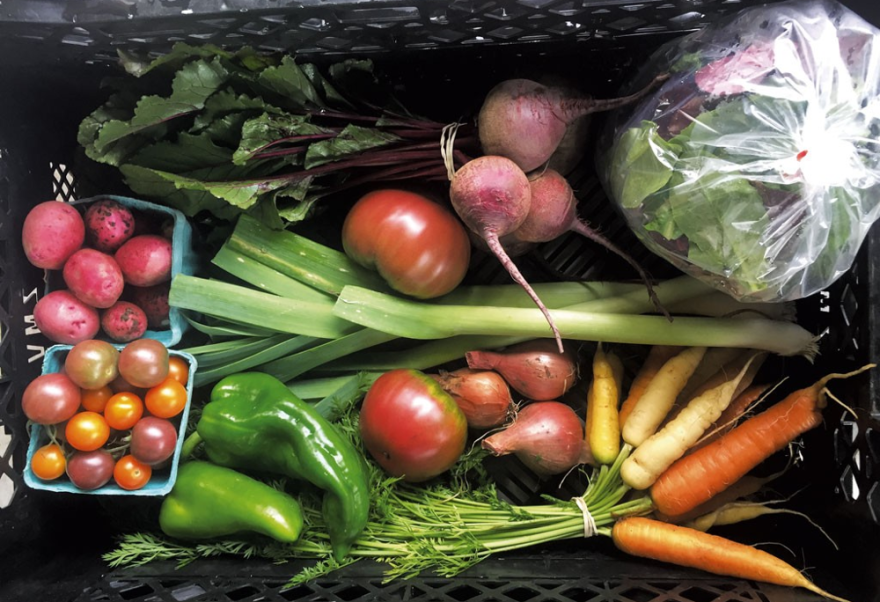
[123, 410]
[166, 399]
[131, 474]
[87, 431]
[411, 426]
[416, 245]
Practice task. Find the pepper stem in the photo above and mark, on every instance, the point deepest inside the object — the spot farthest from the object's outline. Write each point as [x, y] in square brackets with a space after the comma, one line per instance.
[190, 444]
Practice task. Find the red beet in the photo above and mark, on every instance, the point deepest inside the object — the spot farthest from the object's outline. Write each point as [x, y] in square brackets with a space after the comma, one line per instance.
[525, 121]
[491, 195]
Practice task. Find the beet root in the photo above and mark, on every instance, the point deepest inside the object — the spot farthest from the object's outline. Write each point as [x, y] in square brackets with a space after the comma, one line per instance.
[525, 121]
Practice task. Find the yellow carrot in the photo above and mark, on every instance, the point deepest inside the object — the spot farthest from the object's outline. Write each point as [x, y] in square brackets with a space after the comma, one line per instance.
[657, 356]
[659, 451]
[659, 395]
[712, 363]
[604, 427]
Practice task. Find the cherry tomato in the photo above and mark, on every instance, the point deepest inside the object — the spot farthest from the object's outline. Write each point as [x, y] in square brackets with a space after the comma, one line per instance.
[420, 248]
[87, 431]
[119, 385]
[91, 364]
[90, 470]
[178, 369]
[131, 474]
[51, 399]
[167, 399]
[123, 410]
[411, 426]
[48, 462]
[153, 440]
[94, 400]
[144, 363]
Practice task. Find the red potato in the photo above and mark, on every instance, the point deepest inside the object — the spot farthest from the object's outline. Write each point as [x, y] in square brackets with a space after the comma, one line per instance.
[65, 319]
[52, 232]
[94, 277]
[154, 301]
[124, 322]
[108, 225]
[145, 260]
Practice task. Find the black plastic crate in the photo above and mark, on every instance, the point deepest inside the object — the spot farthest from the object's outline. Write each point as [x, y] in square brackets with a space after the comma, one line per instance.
[53, 55]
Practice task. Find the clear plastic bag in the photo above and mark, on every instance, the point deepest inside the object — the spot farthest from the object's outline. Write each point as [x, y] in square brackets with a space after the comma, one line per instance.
[756, 166]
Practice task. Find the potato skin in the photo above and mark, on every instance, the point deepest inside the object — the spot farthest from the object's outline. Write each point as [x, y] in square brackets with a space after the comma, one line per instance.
[51, 233]
[65, 319]
[94, 277]
[108, 225]
[145, 260]
[124, 322]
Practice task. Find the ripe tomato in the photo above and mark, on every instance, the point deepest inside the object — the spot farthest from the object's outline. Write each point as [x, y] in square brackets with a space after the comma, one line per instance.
[167, 399]
[417, 246]
[50, 399]
[411, 426]
[144, 363]
[123, 410]
[178, 369]
[48, 462]
[130, 474]
[94, 400]
[87, 431]
[91, 364]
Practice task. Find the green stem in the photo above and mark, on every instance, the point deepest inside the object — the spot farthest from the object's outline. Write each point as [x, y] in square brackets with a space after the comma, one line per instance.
[190, 444]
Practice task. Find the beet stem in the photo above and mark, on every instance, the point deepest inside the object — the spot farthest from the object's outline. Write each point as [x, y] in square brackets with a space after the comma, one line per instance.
[585, 106]
[495, 245]
[581, 227]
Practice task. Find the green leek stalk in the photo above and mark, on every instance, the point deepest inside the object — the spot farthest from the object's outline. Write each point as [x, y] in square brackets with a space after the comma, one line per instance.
[416, 320]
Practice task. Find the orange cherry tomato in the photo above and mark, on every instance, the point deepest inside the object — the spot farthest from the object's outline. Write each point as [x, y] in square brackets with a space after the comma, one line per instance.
[94, 400]
[166, 399]
[131, 474]
[123, 410]
[178, 369]
[87, 431]
[49, 462]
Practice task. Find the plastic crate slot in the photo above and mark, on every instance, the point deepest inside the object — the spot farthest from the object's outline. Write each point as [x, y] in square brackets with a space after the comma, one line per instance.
[699, 594]
[373, 16]
[583, 593]
[462, 593]
[638, 594]
[505, 13]
[521, 593]
[848, 485]
[187, 592]
[351, 592]
[565, 28]
[873, 499]
[298, 592]
[505, 33]
[627, 24]
[132, 591]
[240, 593]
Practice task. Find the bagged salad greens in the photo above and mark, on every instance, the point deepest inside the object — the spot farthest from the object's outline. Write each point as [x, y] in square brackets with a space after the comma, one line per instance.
[756, 166]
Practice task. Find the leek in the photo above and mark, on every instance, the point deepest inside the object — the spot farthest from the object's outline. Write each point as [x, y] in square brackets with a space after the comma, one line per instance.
[416, 320]
[255, 308]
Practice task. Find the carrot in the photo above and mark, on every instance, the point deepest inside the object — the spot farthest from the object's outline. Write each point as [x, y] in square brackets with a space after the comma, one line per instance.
[660, 450]
[701, 475]
[738, 512]
[649, 538]
[728, 418]
[713, 362]
[722, 375]
[746, 486]
[604, 433]
[659, 395]
[657, 356]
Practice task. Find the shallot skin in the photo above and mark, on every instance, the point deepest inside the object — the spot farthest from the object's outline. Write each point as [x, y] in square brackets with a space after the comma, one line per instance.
[535, 369]
[547, 436]
[483, 396]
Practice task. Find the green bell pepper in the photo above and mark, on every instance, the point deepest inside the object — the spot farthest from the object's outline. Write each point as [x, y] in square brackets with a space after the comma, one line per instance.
[210, 501]
[255, 423]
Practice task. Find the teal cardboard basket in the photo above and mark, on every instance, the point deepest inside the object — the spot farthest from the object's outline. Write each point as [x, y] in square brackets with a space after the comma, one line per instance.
[183, 261]
[162, 479]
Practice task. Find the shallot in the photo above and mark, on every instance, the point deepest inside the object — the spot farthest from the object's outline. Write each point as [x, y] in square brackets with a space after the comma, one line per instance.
[547, 436]
[483, 396]
[535, 369]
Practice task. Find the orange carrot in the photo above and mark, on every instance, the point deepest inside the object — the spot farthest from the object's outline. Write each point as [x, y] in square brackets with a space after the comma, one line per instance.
[746, 486]
[728, 417]
[657, 356]
[648, 538]
[698, 477]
